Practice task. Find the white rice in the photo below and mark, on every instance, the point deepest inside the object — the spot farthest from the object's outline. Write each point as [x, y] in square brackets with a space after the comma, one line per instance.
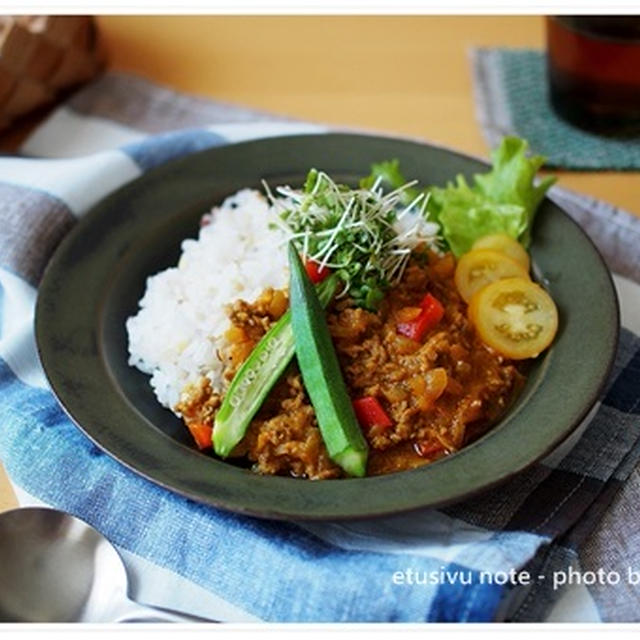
[179, 330]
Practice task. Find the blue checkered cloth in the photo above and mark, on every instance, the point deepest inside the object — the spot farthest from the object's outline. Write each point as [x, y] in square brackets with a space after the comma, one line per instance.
[432, 565]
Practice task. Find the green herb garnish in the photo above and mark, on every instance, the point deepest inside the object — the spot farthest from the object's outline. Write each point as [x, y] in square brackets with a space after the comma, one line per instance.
[363, 234]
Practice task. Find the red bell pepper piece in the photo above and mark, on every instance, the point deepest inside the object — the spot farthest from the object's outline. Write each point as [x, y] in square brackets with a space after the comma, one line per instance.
[427, 448]
[202, 433]
[431, 314]
[315, 272]
[370, 413]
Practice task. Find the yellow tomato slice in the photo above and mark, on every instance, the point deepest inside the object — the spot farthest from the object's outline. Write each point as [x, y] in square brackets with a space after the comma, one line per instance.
[481, 267]
[504, 244]
[515, 316]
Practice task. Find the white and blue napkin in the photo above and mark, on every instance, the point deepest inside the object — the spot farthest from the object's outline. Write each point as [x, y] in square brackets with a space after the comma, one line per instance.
[444, 565]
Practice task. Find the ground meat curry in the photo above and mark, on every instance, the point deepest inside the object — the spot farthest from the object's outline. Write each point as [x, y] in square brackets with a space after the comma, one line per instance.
[439, 392]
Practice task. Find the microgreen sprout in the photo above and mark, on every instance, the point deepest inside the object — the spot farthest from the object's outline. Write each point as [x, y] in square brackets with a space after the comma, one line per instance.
[363, 234]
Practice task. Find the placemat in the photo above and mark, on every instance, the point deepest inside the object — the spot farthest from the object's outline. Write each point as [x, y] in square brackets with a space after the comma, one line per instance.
[512, 97]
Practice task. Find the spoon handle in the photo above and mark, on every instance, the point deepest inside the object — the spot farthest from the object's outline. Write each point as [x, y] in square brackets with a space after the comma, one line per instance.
[134, 612]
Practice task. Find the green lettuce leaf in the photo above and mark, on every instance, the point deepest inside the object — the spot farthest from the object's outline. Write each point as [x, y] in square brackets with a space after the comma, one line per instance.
[504, 200]
[466, 215]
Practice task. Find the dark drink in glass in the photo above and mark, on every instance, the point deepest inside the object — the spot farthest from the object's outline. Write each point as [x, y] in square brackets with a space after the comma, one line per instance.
[594, 71]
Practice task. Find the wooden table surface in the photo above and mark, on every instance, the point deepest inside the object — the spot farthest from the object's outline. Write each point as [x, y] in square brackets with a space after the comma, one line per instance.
[397, 74]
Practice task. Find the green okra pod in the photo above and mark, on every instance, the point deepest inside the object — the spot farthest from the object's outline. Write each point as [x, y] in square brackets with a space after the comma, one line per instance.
[256, 376]
[321, 373]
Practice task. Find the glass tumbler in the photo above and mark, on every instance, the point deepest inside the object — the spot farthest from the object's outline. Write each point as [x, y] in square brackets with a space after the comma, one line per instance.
[593, 65]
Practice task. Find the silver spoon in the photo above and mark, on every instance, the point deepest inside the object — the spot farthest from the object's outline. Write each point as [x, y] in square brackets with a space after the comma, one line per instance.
[56, 568]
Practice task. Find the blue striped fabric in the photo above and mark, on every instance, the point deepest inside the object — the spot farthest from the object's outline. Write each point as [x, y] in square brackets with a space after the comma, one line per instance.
[47, 456]
[151, 152]
[448, 565]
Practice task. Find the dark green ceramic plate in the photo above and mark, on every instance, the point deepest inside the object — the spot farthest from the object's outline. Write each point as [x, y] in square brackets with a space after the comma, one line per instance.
[98, 274]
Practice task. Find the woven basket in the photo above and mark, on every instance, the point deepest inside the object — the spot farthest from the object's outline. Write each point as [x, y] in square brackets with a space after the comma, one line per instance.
[41, 57]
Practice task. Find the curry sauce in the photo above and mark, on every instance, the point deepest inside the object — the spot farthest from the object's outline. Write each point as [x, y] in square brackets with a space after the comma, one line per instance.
[439, 392]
